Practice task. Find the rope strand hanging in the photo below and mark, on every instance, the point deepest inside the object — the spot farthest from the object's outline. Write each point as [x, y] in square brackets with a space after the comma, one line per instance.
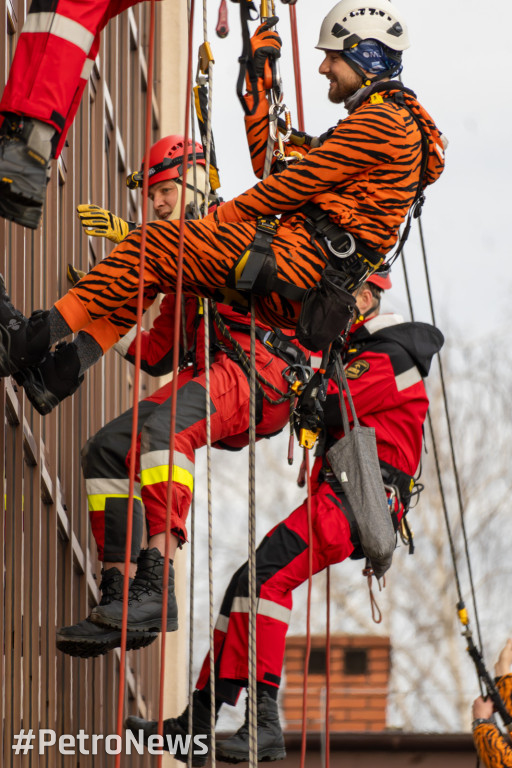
[136, 379]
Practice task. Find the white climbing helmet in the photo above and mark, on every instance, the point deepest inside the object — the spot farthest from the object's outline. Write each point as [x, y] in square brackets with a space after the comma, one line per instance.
[351, 21]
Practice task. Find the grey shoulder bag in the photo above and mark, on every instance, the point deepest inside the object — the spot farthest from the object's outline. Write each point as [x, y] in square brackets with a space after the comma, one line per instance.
[355, 463]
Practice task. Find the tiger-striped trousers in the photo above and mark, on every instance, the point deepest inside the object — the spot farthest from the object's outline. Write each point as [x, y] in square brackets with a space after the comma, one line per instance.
[103, 303]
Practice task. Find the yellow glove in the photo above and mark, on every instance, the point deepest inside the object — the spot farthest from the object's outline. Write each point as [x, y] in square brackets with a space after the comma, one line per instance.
[97, 222]
[74, 274]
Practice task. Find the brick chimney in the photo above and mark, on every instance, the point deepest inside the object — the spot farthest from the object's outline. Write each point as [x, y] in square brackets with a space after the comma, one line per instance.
[360, 666]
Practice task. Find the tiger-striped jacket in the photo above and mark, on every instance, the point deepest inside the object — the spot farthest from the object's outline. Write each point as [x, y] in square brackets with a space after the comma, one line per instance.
[365, 171]
[494, 750]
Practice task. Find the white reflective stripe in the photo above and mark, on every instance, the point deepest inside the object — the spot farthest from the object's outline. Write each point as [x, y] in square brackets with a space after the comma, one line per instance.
[160, 458]
[86, 73]
[407, 379]
[264, 608]
[60, 26]
[96, 486]
[222, 623]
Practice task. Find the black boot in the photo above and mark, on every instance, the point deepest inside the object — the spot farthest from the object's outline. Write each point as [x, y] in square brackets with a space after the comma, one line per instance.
[23, 342]
[25, 150]
[87, 640]
[54, 379]
[145, 598]
[176, 732]
[270, 736]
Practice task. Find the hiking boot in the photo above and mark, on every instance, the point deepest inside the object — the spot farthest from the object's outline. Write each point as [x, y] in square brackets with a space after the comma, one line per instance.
[54, 379]
[270, 736]
[25, 151]
[176, 732]
[144, 598]
[23, 342]
[24, 215]
[87, 640]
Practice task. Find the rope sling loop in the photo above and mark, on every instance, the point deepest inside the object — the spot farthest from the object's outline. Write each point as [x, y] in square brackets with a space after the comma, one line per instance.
[174, 390]
[203, 99]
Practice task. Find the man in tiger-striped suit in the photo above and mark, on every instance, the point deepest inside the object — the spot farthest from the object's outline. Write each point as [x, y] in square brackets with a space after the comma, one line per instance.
[341, 205]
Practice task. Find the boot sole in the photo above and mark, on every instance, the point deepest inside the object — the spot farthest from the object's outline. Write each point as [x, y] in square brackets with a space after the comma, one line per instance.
[87, 648]
[26, 214]
[39, 396]
[143, 626]
[264, 756]
[6, 367]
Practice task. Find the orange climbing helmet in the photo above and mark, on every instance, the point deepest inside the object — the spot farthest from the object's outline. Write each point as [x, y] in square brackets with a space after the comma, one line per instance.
[166, 161]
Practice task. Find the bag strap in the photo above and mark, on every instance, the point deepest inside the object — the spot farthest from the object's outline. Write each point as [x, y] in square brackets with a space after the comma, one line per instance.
[341, 381]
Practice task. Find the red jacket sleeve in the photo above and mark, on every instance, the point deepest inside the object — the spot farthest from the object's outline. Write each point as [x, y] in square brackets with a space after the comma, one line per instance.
[157, 343]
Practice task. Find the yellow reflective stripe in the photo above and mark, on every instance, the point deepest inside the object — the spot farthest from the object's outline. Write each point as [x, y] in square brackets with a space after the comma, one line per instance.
[160, 474]
[97, 501]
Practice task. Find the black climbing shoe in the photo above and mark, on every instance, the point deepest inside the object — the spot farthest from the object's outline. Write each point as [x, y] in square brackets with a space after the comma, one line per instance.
[144, 598]
[176, 733]
[87, 640]
[23, 342]
[54, 379]
[25, 149]
[270, 736]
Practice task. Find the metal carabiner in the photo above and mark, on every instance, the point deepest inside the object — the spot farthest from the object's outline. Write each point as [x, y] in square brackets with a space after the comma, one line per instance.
[345, 253]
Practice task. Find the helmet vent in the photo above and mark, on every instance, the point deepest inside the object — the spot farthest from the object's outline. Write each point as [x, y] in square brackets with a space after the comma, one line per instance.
[339, 31]
[396, 30]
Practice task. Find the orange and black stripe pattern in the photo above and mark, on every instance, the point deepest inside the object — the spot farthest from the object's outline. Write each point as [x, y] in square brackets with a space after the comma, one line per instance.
[494, 750]
[365, 173]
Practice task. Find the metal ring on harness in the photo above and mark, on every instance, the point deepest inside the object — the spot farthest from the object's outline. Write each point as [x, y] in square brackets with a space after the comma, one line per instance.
[347, 251]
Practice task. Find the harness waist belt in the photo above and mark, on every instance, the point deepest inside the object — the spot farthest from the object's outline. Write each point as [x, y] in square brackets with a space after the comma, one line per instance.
[276, 342]
[404, 482]
[338, 241]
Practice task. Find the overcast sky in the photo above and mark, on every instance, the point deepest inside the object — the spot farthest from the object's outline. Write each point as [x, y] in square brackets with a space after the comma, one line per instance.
[458, 65]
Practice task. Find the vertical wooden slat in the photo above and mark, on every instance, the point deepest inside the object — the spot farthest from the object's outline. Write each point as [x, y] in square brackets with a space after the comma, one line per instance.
[48, 554]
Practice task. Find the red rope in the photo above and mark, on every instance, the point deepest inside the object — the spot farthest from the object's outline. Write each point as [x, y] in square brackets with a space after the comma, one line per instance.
[175, 363]
[296, 67]
[328, 668]
[308, 631]
[136, 378]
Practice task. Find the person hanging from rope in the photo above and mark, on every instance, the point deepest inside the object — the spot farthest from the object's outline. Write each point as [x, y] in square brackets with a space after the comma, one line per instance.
[106, 455]
[340, 209]
[52, 63]
[493, 748]
[385, 361]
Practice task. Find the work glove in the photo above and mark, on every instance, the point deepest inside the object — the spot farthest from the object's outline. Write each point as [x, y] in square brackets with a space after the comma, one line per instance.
[74, 274]
[97, 222]
[266, 49]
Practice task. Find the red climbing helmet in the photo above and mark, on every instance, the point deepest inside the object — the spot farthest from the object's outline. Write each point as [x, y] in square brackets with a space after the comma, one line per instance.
[166, 161]
[381, 280]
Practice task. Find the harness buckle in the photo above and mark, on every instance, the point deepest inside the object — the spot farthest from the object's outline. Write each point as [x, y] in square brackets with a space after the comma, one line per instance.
[349, 247]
